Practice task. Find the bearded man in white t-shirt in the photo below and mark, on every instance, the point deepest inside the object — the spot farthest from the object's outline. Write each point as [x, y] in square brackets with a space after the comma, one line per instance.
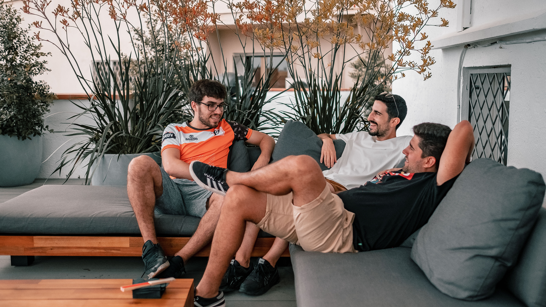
[365, 155]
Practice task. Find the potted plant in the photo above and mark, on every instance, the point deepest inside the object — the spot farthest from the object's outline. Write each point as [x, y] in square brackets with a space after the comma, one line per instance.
[142, 69]
[23, 101]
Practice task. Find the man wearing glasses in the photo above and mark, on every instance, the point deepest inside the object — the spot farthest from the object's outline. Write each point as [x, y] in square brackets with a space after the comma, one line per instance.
[170, 190]
[365, 155]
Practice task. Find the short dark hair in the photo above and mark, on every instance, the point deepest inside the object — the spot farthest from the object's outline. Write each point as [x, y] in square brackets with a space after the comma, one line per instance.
[433, 139]
[211, 88]
[396, 106]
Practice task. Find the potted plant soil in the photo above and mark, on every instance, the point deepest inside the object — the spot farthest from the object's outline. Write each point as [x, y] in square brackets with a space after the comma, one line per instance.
[23, 101]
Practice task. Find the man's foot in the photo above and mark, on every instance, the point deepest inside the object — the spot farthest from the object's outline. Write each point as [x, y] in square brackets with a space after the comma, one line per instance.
[154, 259]
[217, 301]
[234, 277]
[263, 277]
[176, 268]
[209, 177]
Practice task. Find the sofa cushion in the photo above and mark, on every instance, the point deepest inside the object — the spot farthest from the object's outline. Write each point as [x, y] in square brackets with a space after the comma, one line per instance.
[479, 228]
[82, 210]
[238, 157]
[385, 277]
[527, 279]
[298, 139]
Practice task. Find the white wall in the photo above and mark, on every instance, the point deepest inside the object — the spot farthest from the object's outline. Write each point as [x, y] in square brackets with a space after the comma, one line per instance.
[57, 142]
[436, 99]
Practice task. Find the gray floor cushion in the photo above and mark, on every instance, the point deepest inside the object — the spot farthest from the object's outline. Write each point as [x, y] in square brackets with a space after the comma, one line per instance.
[377, 278]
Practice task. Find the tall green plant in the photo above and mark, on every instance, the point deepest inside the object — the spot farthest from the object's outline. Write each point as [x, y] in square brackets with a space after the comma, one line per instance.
[127, 112]
[23, 101]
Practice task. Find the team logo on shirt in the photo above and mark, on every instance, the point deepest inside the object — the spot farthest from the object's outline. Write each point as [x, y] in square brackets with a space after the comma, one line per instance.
[168, 135]
[379, 179]
[218, 132]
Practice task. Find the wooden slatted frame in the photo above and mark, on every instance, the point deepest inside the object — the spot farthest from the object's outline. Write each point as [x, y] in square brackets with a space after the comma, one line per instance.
[103, 246]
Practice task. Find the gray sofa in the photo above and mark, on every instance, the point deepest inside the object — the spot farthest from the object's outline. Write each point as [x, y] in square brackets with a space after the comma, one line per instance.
[485, 245]
[390, 277]
[73, 220]
[495, 257]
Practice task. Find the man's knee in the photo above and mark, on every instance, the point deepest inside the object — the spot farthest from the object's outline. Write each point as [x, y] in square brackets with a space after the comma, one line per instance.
[237, 198]
[141, 166]
[303, 165]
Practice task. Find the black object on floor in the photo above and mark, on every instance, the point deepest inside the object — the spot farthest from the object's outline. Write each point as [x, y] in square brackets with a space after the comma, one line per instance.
[155, 291]
[22, 260]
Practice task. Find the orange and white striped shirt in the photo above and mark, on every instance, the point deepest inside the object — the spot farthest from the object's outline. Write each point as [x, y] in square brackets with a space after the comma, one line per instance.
[210, 146]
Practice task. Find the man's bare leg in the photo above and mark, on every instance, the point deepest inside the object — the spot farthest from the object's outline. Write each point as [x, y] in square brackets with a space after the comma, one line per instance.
[144, 185]
[205, 230]
[275, 252]
[299, 174]
[247, 246]
[241, 204]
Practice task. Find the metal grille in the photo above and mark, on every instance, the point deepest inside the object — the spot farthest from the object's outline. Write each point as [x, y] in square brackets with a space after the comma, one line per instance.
[488, 112]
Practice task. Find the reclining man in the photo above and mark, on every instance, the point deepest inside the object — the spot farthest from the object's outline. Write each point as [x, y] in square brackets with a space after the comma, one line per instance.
[291, 200]
[169, 189]
[365, 155]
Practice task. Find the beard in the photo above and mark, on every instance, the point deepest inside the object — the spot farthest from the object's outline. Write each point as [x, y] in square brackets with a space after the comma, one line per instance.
[207, 121]
[379, 132]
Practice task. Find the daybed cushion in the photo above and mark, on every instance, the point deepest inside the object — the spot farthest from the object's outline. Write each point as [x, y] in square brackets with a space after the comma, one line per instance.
[298, 139]
[478, 230]
[376, 278]
[82, 210]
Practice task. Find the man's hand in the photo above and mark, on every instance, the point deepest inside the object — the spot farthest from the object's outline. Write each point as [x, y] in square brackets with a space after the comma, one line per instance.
[261, 162]
[328, 151]
[266, 144]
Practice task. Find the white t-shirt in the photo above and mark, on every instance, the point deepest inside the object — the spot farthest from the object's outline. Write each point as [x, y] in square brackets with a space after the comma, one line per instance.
[364, 157]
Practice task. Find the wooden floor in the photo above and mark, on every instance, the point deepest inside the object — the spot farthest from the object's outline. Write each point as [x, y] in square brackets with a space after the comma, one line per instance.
[45, 267]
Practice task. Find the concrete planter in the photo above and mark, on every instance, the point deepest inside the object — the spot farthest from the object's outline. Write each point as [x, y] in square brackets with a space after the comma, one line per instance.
[113, 171]
[20, 161]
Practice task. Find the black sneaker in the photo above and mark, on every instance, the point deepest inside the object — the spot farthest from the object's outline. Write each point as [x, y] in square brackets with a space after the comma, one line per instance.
[263, 277]
[155, 261]
[217, 301]
[209, 177]
[176, 268]
[234, 277]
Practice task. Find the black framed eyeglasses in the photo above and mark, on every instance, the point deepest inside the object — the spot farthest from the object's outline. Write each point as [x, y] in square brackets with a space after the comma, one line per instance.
[213, 107]
[390, 95]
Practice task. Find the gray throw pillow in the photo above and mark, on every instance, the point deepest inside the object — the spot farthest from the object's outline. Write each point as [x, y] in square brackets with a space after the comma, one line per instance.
[298, 139]
[479, 228]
